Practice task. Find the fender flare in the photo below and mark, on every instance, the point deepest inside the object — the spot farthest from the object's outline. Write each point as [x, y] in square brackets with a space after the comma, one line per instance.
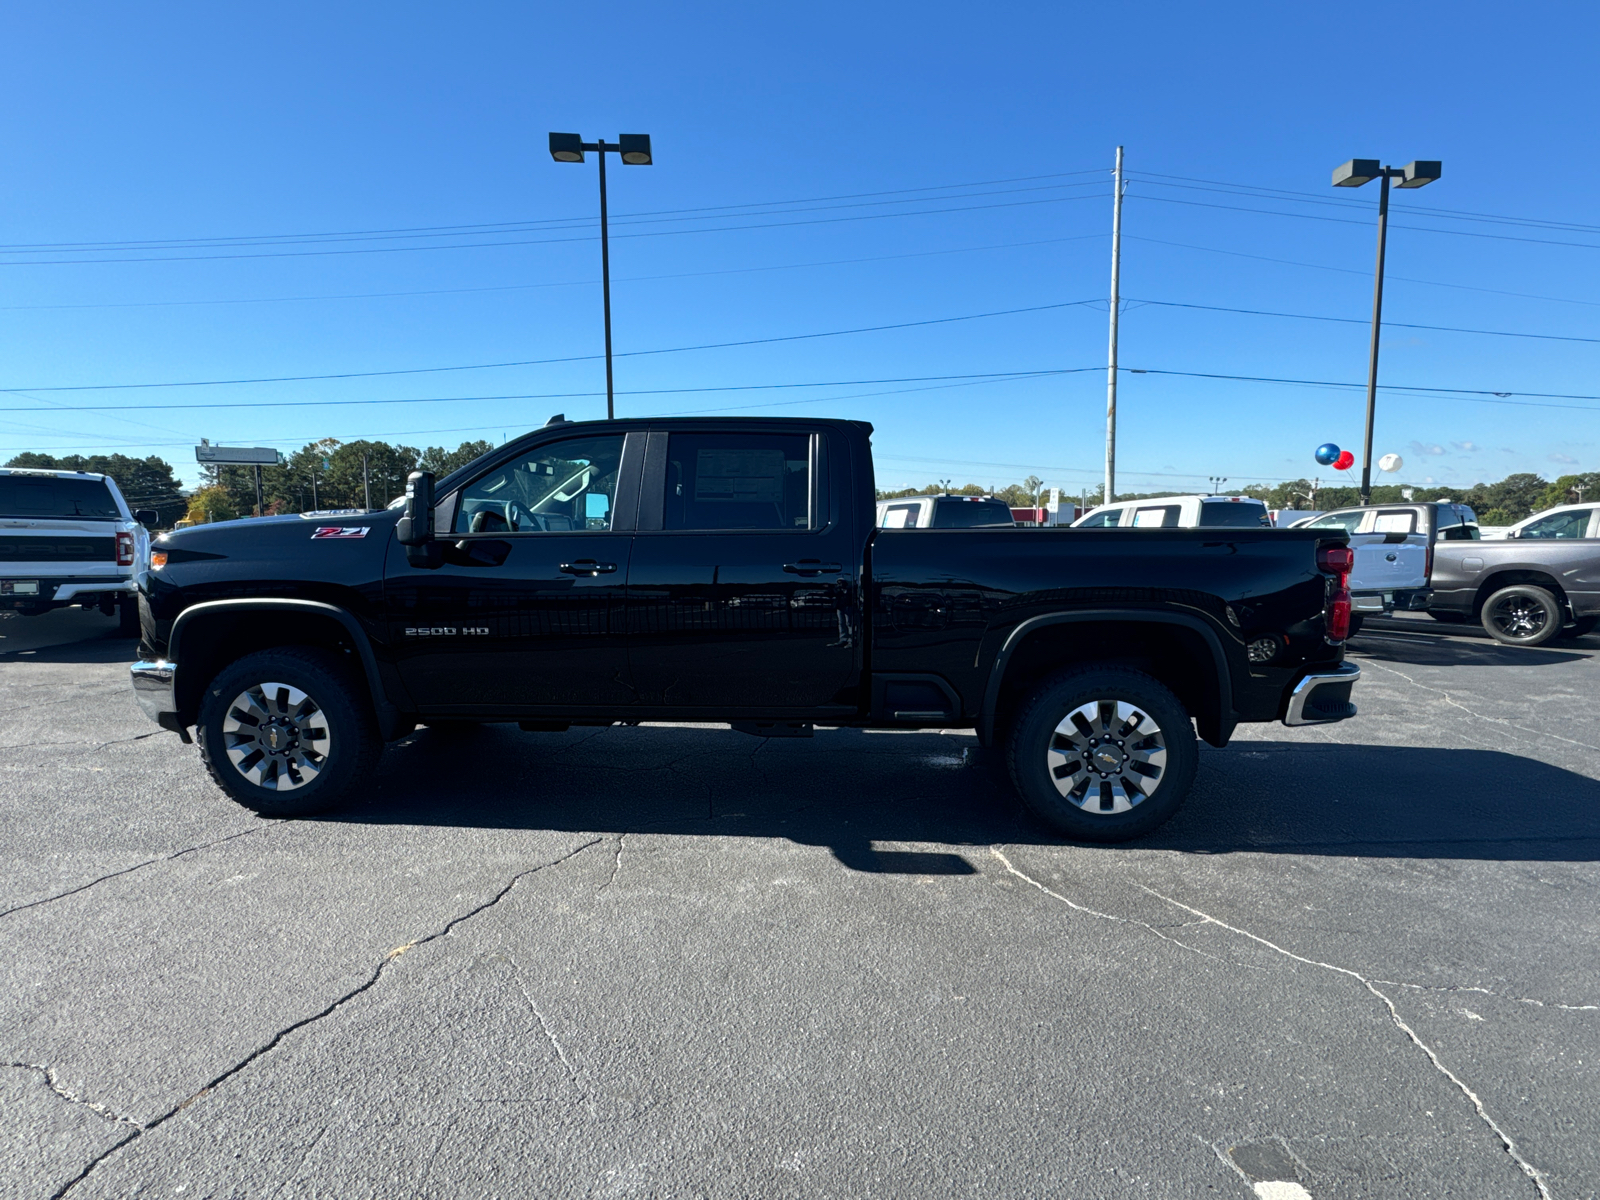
[991, 696]
[388, 714]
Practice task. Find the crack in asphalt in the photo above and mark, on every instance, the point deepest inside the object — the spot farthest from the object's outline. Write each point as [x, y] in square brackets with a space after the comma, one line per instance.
[1483, 991]
[550, 1034]
[72, 1097]
[139, 867]
[1506, 1141]
[1528, 1169]
[1454, 703]
[616, 866]
[277, 1039]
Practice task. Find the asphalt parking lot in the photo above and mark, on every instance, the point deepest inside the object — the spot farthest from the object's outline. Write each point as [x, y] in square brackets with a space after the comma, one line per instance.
[678, 961]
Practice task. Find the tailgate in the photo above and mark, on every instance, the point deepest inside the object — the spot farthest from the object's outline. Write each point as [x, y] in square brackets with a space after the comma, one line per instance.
[1388, 561]
[56, 551]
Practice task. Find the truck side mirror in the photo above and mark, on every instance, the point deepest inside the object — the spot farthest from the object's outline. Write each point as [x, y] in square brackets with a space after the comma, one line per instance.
[148, 517]
[415, 528]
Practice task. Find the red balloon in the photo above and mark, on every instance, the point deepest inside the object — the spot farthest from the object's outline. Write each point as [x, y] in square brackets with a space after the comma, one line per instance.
[1345, 461]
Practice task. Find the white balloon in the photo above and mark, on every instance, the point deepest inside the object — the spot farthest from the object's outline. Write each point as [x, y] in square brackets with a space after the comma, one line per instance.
[1391, 462]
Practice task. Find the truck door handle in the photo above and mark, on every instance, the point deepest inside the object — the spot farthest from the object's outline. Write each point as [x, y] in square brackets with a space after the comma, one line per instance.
[588, 566]
[810, 566]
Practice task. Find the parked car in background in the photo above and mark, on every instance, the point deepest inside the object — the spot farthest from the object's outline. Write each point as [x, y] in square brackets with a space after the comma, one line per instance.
[1179, 512]
[69, 538]
[1541, 581]
[945, 512]
[1394, 548]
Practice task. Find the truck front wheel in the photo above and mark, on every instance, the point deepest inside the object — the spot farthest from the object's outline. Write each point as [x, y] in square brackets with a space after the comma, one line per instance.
[286, 732]
[1102, 754]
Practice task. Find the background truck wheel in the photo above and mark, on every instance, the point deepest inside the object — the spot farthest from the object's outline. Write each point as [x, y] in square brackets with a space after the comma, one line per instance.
[287, 732]
[128, 616]
[1522, 615]
[1102, 754]
[1356, 621]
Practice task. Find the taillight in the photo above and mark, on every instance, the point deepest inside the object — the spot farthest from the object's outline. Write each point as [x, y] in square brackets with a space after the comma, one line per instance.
[1336, 561]
[124, 549]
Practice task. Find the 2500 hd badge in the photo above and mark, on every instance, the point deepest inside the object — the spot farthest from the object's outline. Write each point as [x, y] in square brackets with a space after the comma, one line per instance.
[447, 631]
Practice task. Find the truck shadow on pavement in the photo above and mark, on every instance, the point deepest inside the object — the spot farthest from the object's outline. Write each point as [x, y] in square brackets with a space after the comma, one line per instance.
[919, 803]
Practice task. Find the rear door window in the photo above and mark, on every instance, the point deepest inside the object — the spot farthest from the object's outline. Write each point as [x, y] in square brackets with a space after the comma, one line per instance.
[1395, 522]
[738, 481]
[1162, 516]
[1232, 514]
[54, 496]
[1347, 522]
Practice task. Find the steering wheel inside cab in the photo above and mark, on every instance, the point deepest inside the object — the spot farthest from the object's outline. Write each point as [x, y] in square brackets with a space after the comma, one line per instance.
[501, 518]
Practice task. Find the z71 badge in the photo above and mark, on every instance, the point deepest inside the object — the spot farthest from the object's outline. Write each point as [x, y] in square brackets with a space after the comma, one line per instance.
[340, 531]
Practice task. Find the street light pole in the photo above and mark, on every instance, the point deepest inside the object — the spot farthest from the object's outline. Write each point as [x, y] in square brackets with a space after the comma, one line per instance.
[634, 150]
[1355, 173]
[1377, 326]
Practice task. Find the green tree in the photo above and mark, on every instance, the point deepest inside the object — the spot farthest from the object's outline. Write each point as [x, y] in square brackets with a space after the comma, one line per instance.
[211, 504]
[441, 461]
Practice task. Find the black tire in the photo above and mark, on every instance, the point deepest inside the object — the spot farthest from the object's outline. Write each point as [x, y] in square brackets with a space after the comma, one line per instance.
[337, 761]
[1356, 621]
[1447, 617]
[128, 616]
[1038, 753]
[1582, 627]
[1522, 615]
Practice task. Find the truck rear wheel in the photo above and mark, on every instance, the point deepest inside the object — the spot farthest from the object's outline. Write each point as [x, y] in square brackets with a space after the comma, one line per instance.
[128, 616]
[286, 732]
[1102, 754]
[1522, 615]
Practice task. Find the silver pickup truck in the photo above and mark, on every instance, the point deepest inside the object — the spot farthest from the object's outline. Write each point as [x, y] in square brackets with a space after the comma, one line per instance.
[1540, 582]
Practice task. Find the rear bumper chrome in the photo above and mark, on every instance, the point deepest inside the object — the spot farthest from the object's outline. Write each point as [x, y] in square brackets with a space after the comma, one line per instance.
[153, 688]
[1323, 698]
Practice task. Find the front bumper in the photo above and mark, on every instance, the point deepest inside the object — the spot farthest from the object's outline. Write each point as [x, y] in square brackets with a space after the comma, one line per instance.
[155, 688]
[1323, 697]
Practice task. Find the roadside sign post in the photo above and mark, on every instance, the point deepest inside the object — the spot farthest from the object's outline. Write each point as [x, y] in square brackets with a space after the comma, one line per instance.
[240, 456]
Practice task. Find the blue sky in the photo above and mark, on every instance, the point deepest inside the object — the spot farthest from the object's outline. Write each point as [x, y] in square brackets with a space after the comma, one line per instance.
[951, 161]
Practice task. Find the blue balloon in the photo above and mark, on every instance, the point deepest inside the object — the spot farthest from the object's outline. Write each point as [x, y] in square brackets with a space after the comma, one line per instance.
[1327, 454]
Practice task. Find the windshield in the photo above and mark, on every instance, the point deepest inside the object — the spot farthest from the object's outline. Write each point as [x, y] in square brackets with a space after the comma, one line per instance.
[1233, 514]
[53, 496]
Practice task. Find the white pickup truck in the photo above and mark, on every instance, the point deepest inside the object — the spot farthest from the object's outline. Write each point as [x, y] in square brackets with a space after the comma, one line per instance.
[1179, 512]
[69, 538]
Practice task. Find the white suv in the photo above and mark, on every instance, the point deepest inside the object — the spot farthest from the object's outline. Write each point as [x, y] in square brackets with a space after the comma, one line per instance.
[68, 537]
[1179, 512]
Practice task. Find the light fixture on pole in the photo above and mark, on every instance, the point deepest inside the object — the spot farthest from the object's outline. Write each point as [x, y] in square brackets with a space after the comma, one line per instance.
[1216, 482]
[1354, 173]
[634, 150]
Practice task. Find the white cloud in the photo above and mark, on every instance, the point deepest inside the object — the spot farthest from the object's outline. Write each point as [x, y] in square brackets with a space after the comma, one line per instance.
[1429, 479]
[1469, 447]
[1423, 448]
[1564, 458]
[1507, 450]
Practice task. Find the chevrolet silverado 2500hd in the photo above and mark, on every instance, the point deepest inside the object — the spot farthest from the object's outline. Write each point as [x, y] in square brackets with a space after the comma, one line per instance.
[730, 571]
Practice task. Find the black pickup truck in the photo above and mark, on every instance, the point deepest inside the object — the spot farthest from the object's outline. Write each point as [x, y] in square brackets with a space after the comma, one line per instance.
[729, 571]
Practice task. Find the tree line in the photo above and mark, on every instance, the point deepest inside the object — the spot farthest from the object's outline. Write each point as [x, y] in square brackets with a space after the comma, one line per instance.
[1501, 503]
[320, 475]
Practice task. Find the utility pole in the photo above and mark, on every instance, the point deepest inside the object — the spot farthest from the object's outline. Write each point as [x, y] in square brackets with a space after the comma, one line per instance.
[1116, 303]
[366, 481]
[261, 503]
[1377, 326]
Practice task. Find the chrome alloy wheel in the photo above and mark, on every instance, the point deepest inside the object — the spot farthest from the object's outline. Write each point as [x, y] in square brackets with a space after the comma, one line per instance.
[276, 736]
[1519, 616]
[1107, 756]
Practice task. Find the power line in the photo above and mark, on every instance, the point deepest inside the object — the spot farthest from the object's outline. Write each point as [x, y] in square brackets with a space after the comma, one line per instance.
[838, 262]
[793, 337]
[1475, 395]
[56, 262]
[1267, 212]
[504, 225]
[1289, 262]
[1317, 198]
[1362, 321]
